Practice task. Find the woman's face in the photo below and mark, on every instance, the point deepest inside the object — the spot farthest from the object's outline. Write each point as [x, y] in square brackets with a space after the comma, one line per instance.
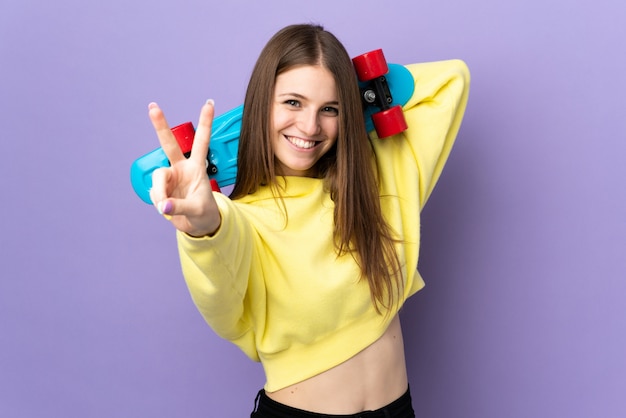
[304, 119]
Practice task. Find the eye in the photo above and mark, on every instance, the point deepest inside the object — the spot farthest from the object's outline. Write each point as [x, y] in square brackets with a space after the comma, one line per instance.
[332, 111]
[292, 102]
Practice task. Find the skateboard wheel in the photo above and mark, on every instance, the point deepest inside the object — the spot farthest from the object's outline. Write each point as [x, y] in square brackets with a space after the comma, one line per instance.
[214, 186]
[184, 134]
[389, 122]
[370, 65]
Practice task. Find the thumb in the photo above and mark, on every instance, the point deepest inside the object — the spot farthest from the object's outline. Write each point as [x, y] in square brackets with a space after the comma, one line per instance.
[165, 207]
[173, 207]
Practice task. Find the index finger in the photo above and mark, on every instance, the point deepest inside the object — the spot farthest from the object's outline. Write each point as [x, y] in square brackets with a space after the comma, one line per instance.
[202, 139]
[164, 133]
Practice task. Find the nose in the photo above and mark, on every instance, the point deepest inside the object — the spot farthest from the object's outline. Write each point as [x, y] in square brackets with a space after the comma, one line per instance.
[309, 122]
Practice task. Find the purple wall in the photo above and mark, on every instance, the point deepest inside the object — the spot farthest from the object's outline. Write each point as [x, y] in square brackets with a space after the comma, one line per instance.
[524, 239]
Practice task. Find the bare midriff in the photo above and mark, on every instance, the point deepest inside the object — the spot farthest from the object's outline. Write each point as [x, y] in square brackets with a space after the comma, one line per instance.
[373, 378]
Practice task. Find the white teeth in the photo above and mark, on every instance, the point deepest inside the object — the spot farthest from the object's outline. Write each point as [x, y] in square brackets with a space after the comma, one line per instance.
[301, 143]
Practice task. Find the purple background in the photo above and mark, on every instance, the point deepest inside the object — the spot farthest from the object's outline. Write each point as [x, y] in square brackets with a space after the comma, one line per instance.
[523, 241]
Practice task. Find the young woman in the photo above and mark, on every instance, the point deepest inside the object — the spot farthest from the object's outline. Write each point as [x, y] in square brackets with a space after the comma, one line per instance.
[307, 263]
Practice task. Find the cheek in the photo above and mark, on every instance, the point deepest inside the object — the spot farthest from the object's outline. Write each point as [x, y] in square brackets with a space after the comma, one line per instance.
[279, 119]
[331, 127]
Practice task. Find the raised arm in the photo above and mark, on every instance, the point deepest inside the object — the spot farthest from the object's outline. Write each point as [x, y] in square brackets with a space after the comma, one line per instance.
[434, 114]
[215, 242]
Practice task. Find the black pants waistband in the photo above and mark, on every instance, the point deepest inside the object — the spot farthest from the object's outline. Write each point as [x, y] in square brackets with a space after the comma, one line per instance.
[269, 408]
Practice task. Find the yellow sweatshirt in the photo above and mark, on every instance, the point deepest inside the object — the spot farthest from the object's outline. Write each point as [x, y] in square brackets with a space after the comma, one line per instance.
[275, 287]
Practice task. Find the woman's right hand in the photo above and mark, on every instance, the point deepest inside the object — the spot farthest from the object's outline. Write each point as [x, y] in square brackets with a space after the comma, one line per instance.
[182, 192]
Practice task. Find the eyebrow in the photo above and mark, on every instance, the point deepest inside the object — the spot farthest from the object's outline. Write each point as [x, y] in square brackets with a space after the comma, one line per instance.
[300, 96]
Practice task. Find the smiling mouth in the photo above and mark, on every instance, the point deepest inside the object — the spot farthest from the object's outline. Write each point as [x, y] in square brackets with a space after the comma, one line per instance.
[301, 143]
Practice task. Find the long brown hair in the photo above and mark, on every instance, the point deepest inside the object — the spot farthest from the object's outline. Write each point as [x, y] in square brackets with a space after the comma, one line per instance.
[347, 168]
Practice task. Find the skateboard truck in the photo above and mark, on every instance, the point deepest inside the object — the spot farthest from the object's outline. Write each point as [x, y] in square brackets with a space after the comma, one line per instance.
[377, 93]
[371, 69]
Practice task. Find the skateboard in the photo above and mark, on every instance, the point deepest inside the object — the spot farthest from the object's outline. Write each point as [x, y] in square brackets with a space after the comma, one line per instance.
[384, 87]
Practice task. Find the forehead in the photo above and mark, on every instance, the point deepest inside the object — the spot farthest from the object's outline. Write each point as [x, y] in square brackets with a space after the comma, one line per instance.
[310, 81]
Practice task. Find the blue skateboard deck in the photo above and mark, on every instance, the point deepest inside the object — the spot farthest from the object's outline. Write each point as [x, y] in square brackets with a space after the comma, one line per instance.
[222, 157]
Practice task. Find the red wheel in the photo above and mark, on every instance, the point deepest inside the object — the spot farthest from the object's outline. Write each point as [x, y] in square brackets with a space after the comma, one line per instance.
[389, 122]
[370, 65]
[214, 186]
[184, 134]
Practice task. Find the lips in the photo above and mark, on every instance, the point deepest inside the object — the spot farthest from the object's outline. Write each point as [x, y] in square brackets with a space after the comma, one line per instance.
[301, 143]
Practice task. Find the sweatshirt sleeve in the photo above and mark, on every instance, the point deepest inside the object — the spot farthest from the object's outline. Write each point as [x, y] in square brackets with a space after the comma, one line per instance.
[217, 270]
[434, 114]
